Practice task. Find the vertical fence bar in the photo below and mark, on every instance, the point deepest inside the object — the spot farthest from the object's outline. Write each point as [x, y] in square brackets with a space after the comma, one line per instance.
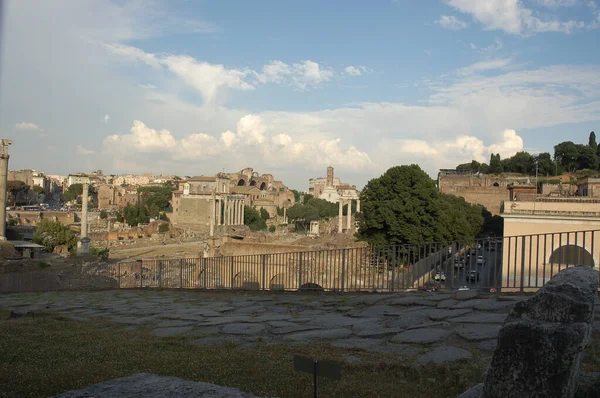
[343, 268]
[232, 273]
[299, 270]
[522, 262]
[141, 273]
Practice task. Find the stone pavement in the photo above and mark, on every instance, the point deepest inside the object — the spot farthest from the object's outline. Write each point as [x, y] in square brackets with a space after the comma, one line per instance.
[428, 326]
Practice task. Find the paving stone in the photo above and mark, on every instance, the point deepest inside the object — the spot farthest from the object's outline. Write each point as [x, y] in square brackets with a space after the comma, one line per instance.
[251, 309]
[444, 354]
[422, 336]
[244, 328]
[488, 345]
[344, 308]
[378, 332]
[409, 319]
[397, 348]
[172, 323]
[478, 332]
[436, 314]
[224, 320]
[311, 335]
[465, 294]
[351, 358]
[281, 324]
[437, 296]
[410, 301]
[494, 305]
[293, 329]
[358, 343]
[428, 325]
[450, 303]
[172, 331]
[374, 311]
[480, 317]
[268, 317]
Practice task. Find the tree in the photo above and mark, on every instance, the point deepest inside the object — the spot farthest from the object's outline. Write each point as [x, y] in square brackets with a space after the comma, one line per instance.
[302, 215]
[567, 155]
[76, 190]
[156, 199]
[134, 214]
[495, 164]
[404, 206]
[520, 162]
[253, 219]
[264, 214]
[592, 142]
[52, 233]
[546, 166]
[103, 214]
[587, 158]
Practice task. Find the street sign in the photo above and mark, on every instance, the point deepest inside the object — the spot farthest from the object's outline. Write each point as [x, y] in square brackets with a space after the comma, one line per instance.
[328, 369]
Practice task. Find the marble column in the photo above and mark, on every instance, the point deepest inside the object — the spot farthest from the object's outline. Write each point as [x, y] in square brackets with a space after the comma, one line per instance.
[285, 215]
[225, 208]
[212, 216]
[340, 216]
[349, 214]
[4, 143]
[241, 213]
[358, 205]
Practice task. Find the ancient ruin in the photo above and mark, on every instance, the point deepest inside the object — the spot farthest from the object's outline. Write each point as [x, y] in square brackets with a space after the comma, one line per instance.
[4, 156]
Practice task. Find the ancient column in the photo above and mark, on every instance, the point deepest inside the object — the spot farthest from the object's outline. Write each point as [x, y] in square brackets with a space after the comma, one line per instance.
[358, 205]
[219, 205]
[349, 215]
[4, 143]
[225, 208]
[340, 216]
[285, 215]
[83, 246]
[211, 217]
[241, 213]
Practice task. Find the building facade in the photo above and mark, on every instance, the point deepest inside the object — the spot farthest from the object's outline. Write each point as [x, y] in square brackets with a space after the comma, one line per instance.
[331, 189]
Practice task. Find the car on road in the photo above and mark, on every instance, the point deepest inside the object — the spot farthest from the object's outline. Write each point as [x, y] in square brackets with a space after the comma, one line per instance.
[440, 276]
[473, 275]
[480, 260]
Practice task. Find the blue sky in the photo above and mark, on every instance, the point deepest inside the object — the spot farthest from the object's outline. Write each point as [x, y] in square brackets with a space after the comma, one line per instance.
[290, 87]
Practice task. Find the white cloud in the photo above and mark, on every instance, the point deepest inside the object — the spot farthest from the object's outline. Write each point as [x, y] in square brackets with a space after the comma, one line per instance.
[106, 118]
[134, 54]
[512, 17]
[451, 22]
[251, 140]
[495, 46]
[275, 72]
[352, 71]
[147, 86]
[27, 126]
[481, 66]
[81, 151]
[310, 73]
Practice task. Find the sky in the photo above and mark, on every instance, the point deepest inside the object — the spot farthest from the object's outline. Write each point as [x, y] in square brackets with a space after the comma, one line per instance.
[291, 87]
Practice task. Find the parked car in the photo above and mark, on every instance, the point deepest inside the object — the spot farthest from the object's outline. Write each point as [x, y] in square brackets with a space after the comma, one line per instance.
[480, 260]
[440, 276]
[473, 275]
[459, 264]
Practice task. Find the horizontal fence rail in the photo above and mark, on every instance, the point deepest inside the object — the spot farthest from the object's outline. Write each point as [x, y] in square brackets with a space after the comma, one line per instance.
[514, 263]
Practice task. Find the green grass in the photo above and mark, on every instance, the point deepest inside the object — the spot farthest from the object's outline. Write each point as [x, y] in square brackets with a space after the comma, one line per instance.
[44, 355]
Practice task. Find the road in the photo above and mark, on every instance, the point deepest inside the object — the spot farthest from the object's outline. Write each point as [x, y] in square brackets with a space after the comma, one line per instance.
[490, 273]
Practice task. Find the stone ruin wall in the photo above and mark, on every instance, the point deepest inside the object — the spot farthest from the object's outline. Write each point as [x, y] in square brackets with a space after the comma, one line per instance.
[479, 189]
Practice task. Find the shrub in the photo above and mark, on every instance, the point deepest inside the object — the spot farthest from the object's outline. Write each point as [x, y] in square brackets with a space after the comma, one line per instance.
[162, 228]
[52, 233]
[272, 228]
[103, 214]
[42, 264]
[102, 253]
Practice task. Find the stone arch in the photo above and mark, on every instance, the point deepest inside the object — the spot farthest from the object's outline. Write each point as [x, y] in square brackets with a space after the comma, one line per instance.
[277, 282]
[241, 182]
[263, 186]
[570, 254]
[253, 183]
[245, 280]
[496, 184]
[311, 286]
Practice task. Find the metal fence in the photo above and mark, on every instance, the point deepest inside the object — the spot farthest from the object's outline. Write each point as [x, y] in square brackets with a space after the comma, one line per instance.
[515, 263]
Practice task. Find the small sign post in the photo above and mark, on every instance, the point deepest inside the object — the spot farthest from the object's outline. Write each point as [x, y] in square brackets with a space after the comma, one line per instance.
[329, 369]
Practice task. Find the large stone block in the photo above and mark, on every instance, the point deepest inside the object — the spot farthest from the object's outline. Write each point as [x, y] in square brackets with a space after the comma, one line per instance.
[541, 342]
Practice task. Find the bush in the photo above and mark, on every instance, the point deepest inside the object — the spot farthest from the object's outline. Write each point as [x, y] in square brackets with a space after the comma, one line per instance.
[42, 264]
[102, 253]
[264, 214]
[103, 214]
[272, 228]
[253, 219]
[52, 233]
[162, 228]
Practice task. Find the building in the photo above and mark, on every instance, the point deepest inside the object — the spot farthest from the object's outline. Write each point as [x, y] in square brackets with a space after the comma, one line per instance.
[206, 204]
[116, 196]
[25, 176]
[331, 189]
[77, 179]
[589, 187]
[132, 180]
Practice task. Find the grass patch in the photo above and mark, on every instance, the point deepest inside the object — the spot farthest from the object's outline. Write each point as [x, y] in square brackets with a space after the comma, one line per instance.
[49, 354]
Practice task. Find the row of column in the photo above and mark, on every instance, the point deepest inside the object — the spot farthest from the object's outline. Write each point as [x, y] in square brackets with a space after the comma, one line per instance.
[348, 213]
[226, 212]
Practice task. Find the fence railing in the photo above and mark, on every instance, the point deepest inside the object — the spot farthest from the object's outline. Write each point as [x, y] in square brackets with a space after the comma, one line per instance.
[514, 263]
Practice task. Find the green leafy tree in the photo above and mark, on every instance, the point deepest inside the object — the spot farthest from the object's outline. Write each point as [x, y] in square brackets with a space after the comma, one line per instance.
[567, 155]
[495, 164]
[302, 215]
[156, 199]
[50, 234]
[264, 214]
[587, 158]
[135, 214]
[521, 162]
[103, 214]
[404, 206]
[546, 166]
[253, 219]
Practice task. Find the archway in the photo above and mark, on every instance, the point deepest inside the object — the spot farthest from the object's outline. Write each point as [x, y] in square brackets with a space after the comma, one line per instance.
[263, 186]
[277, 282]
[496, 184]
[253, 183]
[241, 182]
[312, 287]
[572, 255]
[246, 281]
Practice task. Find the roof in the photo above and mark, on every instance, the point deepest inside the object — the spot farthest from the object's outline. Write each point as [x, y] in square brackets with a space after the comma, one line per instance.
[21, 244]
[243, 189]
[203, 178]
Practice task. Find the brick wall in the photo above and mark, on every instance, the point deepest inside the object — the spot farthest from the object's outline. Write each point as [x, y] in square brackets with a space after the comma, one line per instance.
[490, 197]
[233, 248]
